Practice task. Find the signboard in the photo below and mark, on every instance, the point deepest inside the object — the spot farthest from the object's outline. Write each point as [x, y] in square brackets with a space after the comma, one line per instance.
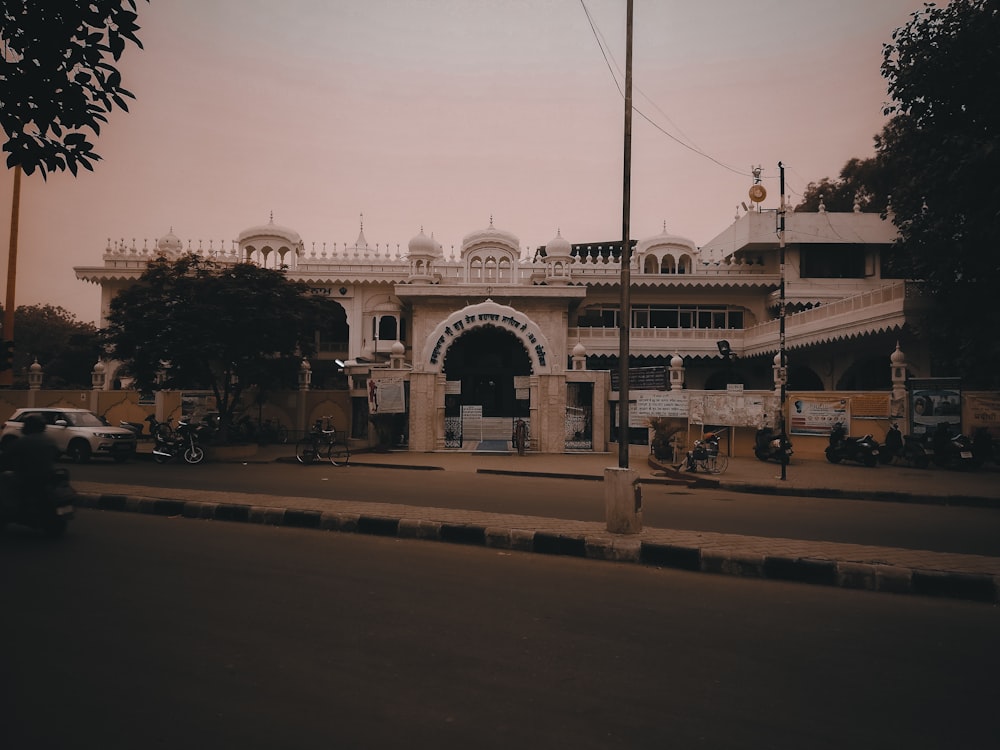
[642, 379]
[817, 416]
[661, 404]
[933, 401]
[472, 421]
[870, 406]
[386, 396]
[736, 409]
[453, 387]
[982, 410]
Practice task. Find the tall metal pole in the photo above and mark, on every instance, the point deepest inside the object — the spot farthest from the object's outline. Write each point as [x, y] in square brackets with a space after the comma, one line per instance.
[7, 376]
[625, 311]
[781, 315]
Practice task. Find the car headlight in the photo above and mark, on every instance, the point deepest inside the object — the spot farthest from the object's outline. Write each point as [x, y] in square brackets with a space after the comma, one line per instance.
[105, 435]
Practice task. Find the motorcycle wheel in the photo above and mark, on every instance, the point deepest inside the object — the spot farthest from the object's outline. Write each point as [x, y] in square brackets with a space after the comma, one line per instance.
[194, 454]
[161, 459]
[761, 455]
[871, 461]
[832, 456]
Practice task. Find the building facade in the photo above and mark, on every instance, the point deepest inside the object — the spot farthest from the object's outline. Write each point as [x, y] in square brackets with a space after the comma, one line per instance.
[454, 348]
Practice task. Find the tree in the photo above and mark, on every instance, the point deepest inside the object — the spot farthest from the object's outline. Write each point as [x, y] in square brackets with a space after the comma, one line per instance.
[196, 324]
[66, 348]
[862, 181]
[57, 80]
[943, 146]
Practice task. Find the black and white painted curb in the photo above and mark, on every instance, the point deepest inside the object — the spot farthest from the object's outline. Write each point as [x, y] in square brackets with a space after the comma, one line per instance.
[606, 547]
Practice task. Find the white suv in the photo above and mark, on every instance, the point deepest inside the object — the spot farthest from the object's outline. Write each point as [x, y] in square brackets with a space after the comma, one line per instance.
[78, 433]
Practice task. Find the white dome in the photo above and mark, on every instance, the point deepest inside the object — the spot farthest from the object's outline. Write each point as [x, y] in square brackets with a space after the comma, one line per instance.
[423, 245]
[398, 348]
[676, 361]
[271, 231]
[558, 247]
[579, 350]
[897, 357]
[169, 244]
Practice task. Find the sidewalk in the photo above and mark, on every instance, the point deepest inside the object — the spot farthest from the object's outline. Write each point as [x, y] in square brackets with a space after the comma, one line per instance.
[884, 569]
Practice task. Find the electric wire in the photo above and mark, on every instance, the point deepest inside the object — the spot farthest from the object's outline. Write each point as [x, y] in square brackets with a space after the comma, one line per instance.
[605, 53]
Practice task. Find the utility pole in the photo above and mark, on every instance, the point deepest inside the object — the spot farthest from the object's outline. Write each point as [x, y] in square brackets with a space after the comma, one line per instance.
[7, 376]
[625, 308]
[622, 491]
[781, 315]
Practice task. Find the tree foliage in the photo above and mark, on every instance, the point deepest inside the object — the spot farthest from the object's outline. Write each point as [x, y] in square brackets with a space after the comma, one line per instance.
[862, 182]
[57, 80]
[192, 323]
[943, 147]
[66, 348]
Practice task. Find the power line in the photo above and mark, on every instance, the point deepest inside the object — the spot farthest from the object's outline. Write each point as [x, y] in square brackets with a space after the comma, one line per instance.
[605, 52]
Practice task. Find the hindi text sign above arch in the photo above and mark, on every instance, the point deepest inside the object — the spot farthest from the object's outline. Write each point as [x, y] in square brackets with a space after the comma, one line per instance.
[487, 313]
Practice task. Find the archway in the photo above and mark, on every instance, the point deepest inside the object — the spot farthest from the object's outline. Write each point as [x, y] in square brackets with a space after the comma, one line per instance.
[486, 360]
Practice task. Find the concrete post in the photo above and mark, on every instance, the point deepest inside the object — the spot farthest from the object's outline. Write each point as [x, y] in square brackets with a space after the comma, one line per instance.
[622, 501]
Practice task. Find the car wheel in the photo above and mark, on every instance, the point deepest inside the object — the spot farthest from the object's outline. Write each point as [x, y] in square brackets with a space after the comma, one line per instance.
[79, 451]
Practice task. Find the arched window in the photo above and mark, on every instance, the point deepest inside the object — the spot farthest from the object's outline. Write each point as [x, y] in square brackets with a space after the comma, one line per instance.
[476, 270]
[505, 270]
[651, 265]
[667, 264]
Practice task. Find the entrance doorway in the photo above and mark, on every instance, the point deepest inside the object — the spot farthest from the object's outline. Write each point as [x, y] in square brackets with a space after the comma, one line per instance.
[486, 370]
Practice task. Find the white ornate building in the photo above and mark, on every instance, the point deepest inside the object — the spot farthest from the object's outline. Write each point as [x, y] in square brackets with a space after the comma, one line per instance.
[494, 331]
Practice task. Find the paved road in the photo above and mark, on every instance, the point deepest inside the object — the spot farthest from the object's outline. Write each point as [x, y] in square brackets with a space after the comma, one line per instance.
[159, 632]
[940, 527]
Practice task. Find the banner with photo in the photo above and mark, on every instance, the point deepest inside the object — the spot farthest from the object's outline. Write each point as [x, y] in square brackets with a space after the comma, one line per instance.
[817, 416]
[933, 401]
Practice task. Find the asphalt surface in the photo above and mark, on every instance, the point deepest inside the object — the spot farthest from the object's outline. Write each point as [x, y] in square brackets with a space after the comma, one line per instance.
[872, 568]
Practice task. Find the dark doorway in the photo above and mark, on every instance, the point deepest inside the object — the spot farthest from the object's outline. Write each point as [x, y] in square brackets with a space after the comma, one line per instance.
[487, 360]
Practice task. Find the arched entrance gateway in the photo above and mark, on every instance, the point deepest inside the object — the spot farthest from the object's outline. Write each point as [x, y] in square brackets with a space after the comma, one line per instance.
[482, 368]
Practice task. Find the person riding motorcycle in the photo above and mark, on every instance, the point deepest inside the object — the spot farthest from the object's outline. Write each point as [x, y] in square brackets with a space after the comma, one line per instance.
[31, 458]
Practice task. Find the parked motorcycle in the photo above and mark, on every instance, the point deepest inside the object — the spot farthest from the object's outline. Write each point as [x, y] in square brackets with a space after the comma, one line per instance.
[184, 442]
[905, 449]
[770, 445]
[864, 450]
[952, 451]
[48, 508]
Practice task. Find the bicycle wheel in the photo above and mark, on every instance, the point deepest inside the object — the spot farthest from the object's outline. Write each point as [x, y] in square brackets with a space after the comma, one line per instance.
[720, 464]
[340, 454]
[306, 451]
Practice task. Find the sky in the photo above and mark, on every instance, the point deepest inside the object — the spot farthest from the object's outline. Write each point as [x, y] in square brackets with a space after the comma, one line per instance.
[440, 115]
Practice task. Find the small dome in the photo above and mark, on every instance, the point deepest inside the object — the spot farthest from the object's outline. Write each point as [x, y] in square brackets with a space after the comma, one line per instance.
[558, 247]
[169, 244]
[897, 357]
[398, 348]
[423, 245]
[99, 367]
[271, 231]
[35, 367]
[579, 350]
[676, 361]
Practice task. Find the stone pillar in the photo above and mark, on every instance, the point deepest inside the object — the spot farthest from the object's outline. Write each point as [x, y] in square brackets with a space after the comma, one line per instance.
[897, 399]
[579, 357]
[35, 376]
[622, 501]
[97, 380]
[676, 373]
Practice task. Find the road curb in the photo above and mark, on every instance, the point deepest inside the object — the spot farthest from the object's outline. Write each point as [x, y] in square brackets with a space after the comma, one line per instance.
[604, 547]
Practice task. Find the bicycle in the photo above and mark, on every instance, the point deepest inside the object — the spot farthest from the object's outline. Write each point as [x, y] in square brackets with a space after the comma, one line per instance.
[322, 443]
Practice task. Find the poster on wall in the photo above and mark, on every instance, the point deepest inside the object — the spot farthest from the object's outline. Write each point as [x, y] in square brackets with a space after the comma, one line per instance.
[982, 411]
[661, 403]
[817, 416]
[934, 401]
[386, 396]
